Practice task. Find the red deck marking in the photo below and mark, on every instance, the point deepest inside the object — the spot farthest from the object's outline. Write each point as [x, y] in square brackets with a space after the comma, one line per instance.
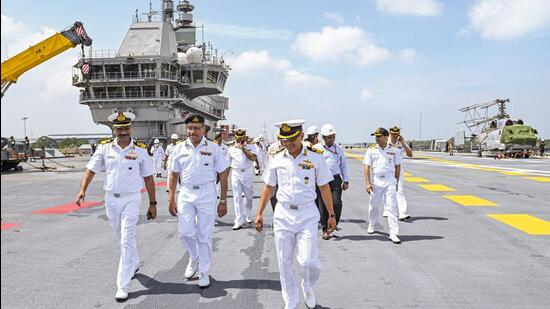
[65, 208]
[157, 184]
[6, 226]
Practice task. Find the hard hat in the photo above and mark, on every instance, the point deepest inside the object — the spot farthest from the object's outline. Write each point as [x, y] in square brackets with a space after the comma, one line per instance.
[174, 136]
[157, 141]
[312, 130]
[261, 137]
[328, 129]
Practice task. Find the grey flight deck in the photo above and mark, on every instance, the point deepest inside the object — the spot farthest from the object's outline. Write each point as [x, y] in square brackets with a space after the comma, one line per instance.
[452, 256]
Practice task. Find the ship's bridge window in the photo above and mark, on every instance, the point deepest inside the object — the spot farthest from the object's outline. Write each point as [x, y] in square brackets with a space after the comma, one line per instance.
[198, 76]
[113, 71]
[148, 70]
[100, 92]
[222, 80]
[165, 70]
[133, 91]
[149, 91]
[130, 70]
[212, 77]
[115, 92]
[97, 71]
[164, 91]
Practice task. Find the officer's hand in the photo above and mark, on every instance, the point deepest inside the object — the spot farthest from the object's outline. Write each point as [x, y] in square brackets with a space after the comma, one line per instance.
[345, 186]
[369, 189]
[396, 187]
[400, 138]
[331, 224]
[172, 207]
[79, 198]
[259, 223]
[152, 213]
[222, 209]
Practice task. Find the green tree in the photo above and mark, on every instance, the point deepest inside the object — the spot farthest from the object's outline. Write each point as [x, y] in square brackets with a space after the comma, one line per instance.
[71, 143]
[44, 141]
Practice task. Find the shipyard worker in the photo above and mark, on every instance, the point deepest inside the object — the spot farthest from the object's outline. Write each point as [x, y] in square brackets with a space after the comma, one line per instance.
[196, 164]
[12, 142]
[397, 141]
[158, 154]
[241, 157]
[541, 148]
[383, 161]
[312, 136]
[296, 170]
[168, 156]
[338, 164]
[127, 166]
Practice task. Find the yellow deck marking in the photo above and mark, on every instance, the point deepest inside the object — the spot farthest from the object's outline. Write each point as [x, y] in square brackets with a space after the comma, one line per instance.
[525, 223]
[469, 200]
[514, 173]
[541, 179]
[437, 188]
[407, 174]
[354, 156]
[416, 179]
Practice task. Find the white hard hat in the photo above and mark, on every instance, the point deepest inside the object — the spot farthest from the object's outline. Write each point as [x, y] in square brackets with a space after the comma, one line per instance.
[174, 136]
[312, 130]
[261, 137]
[156, 141]
[328, 129]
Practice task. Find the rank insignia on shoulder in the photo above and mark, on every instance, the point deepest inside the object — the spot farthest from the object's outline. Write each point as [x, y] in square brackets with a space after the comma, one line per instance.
[140, 144]
[106, 141]
[317, 151]
[372, 146]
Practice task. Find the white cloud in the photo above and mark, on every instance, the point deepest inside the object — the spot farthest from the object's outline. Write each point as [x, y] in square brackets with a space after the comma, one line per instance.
[335, 17]
[258, 33]
[294, 77]
[253, 61]
[408, 54]
[336, 43]
[366, 94]
[506, 19]
[18, 37]
[410, 7]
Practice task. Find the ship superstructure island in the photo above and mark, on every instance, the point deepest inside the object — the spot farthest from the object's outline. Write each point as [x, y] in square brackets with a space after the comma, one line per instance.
[160, 73]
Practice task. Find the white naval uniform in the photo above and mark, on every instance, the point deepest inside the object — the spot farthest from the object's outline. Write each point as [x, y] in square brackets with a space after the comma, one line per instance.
[169, 155]
[125, 170]
[262, 156]
[198, 169]
[158, 156]
[382, 163]
[401, 201]
[296, 217]
[242, 182]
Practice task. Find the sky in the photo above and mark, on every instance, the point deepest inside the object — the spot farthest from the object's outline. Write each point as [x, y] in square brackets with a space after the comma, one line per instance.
[358, 64]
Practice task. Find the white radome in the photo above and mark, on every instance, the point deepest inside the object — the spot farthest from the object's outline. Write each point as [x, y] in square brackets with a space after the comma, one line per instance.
[194, 55]
[182, 59]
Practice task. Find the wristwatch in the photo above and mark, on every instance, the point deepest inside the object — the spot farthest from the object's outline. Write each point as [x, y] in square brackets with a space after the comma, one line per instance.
[223, 201]
[154, 203]
[332, 216]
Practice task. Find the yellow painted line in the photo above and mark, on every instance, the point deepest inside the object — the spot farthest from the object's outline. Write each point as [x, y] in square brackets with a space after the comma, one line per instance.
[407, 174]
[525, 223]
[416, 179]
[354, 156]
[489, 169]
[541, 179]
[514, 173]
[469, 200]
[437, 188]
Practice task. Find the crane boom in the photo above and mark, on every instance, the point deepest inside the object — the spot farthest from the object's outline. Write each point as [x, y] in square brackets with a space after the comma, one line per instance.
[33, 56]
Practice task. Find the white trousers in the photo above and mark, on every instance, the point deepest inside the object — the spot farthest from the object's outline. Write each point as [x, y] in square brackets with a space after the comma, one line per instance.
[386, 193]
[157, 163]
[242, 183]
[196, 220]
[401, 200]
[296, 230]
[123, 215]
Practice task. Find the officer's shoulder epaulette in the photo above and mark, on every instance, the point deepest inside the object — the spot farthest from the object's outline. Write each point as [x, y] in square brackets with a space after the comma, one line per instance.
[106, 141]
[276, 151]
[179, 142]
[140, 144]
[372, 146]
[312, 149]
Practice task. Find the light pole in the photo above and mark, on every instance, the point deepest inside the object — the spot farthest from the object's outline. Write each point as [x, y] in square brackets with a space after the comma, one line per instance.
[25, 125]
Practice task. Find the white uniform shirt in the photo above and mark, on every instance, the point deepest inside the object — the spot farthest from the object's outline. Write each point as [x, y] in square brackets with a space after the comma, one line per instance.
[224, 148]
[157, 151]
[336, 160]
[297, 177]
[198, 166]
[238, 161]
[125, 167]
[399, 146]
[382, 163]
[169, 150]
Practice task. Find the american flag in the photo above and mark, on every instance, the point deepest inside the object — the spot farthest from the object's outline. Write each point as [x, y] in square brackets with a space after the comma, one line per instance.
[85, 68]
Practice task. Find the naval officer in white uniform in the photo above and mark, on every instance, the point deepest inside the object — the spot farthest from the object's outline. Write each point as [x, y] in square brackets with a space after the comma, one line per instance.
[241, 157]
[396, 140]
[197, 164]
[383, 161]
[296, 170]
[128, 166]
[168, 156]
